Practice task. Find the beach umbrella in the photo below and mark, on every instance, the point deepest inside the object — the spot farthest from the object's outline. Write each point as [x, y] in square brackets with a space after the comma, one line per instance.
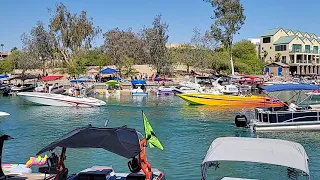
[92, 71]
[108, 71]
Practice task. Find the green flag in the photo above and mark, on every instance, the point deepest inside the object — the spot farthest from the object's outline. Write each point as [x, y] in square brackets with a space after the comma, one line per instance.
[150, 135]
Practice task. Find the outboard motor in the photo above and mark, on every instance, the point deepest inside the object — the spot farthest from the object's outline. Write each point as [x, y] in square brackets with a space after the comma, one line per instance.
[241, 121]
[6, 91]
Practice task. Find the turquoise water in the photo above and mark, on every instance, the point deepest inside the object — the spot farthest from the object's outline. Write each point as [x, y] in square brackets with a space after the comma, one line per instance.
[185, 132]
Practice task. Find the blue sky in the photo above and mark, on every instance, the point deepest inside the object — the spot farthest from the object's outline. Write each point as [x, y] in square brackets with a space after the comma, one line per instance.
[18, 16]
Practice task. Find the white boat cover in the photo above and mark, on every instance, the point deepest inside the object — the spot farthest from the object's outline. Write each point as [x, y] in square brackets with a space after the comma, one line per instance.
[259, 150]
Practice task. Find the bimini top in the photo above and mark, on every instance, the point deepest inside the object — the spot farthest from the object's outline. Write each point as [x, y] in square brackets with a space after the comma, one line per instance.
[51, 78]
[138, 82]
[289, 87]
[122, 140]
[259, 150]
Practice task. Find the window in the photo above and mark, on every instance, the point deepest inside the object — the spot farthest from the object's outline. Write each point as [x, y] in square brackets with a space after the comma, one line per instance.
[315, 49]
[284, 59]
[307, 48]
[262, 48]
[281, 48]
[266, 40]
[270, 57]
[270, 47]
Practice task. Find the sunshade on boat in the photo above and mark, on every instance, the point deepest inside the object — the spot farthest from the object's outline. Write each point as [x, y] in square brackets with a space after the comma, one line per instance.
[78, 80]
[51, 78]
[112, 82]
[289, 87]
[122, 140]
[4, 76]
[259, 150]
[138, 82]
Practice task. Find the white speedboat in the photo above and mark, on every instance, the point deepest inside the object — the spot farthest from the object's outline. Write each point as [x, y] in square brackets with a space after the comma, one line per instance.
[184, 90]
[4, 114]
[60, 100]
[138, 88]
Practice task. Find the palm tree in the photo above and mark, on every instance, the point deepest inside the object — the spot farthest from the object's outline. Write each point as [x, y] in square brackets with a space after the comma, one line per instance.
[2, 47]
[277, 57]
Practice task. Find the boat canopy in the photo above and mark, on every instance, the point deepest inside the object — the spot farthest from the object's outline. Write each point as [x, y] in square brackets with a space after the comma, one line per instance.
[51, 78]
[112, 82]
[4, 76]
[108, 71]
[259, 150]
[78, 80]
[138, 82]
[121, 140]
[289, 87]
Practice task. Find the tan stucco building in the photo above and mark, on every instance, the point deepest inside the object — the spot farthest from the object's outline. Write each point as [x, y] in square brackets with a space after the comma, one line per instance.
[299, 50]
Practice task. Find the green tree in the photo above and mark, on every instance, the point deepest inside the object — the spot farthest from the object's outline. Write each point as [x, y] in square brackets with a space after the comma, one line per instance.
[39, 45]
[13, 49]
[6, 66]
[2, 47]
[185, 54]
[94, 57]
[246, 58]
[71, 32]
[228, 19]
[128, 70]
[156, 39]
[120, 45]
[277, 57]
[264, 54]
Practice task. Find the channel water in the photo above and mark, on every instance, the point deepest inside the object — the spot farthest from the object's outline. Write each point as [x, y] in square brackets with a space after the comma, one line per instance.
[185, 131]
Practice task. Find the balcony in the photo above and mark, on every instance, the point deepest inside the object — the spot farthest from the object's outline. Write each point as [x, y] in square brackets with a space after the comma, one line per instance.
[303, 51]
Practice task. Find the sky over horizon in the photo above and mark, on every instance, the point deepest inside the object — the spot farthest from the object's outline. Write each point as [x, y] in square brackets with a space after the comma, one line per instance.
[19, 16]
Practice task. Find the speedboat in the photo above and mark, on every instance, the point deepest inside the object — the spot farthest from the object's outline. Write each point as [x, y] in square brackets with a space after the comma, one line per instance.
[138, 88]
[113, 88]
[53, 88]
[4, 114]
[282, 118]
[60, 100]
[288, 154]
[230, 100]
[184, 90]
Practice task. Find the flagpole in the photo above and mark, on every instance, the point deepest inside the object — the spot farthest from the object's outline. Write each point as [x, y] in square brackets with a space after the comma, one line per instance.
[144, 127]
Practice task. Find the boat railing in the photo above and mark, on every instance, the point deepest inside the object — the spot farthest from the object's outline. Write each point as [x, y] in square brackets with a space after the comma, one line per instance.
[280, 113]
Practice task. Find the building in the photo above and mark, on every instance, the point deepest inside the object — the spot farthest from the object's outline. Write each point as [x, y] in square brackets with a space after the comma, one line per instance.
[257, 44]
[299, 50]
[3, 55]
[277, 69]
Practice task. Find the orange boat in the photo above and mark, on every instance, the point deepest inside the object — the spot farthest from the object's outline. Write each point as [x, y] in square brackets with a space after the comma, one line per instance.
[231, 100]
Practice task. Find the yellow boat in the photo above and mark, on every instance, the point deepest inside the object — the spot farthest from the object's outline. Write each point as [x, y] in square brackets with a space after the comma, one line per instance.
[230, 100]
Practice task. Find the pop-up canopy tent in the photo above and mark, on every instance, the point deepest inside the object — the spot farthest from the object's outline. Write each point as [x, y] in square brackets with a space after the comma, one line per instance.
[108, 71]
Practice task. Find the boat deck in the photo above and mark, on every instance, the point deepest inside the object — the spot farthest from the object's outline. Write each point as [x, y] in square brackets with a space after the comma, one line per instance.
[33, 176]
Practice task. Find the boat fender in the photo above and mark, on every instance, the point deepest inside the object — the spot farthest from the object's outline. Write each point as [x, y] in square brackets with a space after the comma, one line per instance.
[241, 121]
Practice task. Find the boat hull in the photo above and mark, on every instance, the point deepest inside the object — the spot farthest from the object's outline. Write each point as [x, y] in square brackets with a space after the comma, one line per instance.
[4, 114]
[230, 100]
[60, 100]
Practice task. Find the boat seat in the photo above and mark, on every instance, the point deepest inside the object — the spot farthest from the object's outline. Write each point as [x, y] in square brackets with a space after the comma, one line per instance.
[136, 176]
[52, 165]
[93, 175]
